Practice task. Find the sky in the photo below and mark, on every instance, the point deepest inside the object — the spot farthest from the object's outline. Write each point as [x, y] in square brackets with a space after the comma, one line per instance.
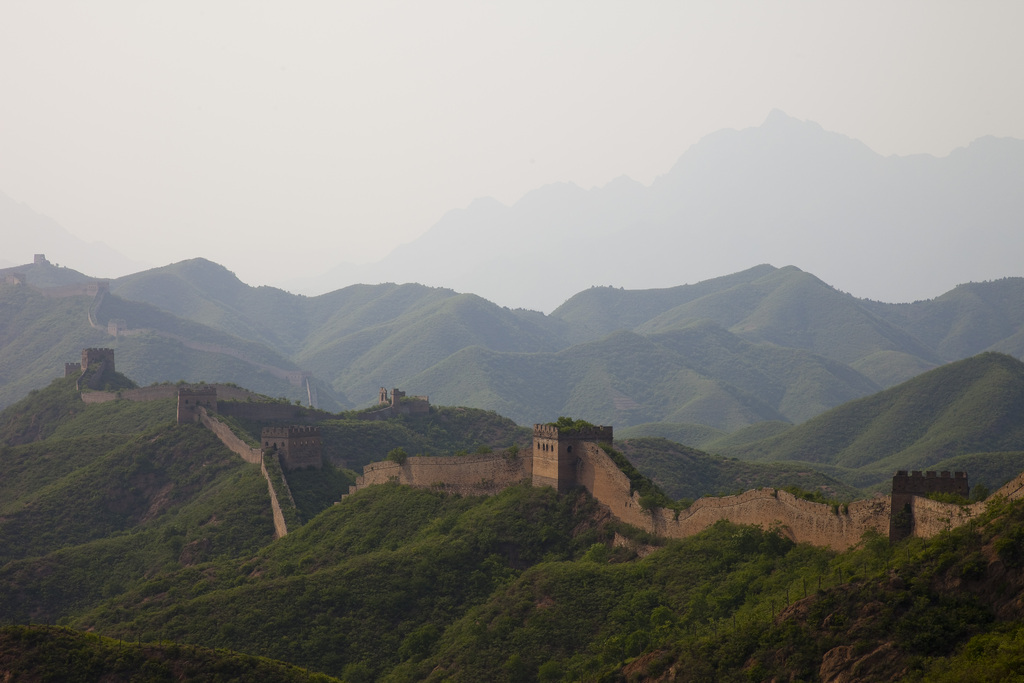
[285, 138]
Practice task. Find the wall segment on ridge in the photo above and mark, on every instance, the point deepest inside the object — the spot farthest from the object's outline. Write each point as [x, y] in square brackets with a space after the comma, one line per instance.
[469, 475]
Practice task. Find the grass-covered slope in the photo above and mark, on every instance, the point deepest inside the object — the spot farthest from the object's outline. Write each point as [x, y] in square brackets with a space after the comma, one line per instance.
[115, 520]
[366, 585]
[971, 406]
[95, 498]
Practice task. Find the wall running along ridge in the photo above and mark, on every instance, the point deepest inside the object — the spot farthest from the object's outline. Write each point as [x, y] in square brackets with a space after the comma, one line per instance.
[253, 456]
[467, 475]
[801, 520]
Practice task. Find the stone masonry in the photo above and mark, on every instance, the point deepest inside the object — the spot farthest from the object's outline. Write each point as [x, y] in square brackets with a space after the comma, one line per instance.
[298, 446]
[556, 454]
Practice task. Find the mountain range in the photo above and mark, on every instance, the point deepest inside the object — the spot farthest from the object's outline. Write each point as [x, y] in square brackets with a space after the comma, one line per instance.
[767, 344]
[890, 228]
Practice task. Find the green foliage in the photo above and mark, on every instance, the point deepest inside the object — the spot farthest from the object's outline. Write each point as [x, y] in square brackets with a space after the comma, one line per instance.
[567, 425]
[359, 584]
[315, 490]
[51, 653]
[398, 455]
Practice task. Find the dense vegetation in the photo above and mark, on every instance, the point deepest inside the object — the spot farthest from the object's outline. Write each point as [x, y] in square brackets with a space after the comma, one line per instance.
[51, 653]
[117, 521]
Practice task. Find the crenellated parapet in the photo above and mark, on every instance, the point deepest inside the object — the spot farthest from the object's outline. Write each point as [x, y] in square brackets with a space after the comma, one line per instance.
[920, 483]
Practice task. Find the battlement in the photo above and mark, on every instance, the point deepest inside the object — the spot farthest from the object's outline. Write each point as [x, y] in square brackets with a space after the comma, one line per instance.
[297, 445]
[290, 432]
[71, 368]
[599, 433]
[919, 483]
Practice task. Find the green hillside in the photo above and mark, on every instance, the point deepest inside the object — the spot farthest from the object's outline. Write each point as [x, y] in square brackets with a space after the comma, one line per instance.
[687, 473]
[701, 374]
[793, 309]
[156, 541]
[400, 585]
[37, 336]
[971, 318]
[51, 653]
[971, 406]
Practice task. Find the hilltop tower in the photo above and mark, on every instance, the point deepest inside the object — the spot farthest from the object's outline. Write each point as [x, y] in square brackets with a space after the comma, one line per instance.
[190, 399]
[297, 446]
[102, 357]
[556, 452]
[90, 356]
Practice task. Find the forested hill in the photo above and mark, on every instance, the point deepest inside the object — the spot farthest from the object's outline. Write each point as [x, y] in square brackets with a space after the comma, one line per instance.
[967, 412]
[118, 522]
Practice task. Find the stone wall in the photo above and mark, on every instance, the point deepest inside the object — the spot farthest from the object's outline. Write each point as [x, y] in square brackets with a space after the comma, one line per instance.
[468, 475]
[280, 524]
[253, 456]
[229, 439]
[144, 394]
[801, 520]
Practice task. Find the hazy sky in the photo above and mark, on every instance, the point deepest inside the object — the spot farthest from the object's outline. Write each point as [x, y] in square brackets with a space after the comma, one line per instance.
[283, 137]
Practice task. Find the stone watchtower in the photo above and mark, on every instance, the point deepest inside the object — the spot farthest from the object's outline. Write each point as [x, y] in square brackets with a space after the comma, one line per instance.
[297, 446]
[190, 399]
[102, 356]
[556, 452]
[904, 488]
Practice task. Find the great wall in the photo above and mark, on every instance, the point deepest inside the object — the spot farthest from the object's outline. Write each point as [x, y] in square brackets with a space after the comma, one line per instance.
[558, 457]
[565, 460]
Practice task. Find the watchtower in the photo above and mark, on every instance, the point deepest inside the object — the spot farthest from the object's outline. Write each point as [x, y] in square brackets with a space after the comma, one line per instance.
[297, 445]
[90, 356]
[190, 399]
[917, 483]
[556, 452]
